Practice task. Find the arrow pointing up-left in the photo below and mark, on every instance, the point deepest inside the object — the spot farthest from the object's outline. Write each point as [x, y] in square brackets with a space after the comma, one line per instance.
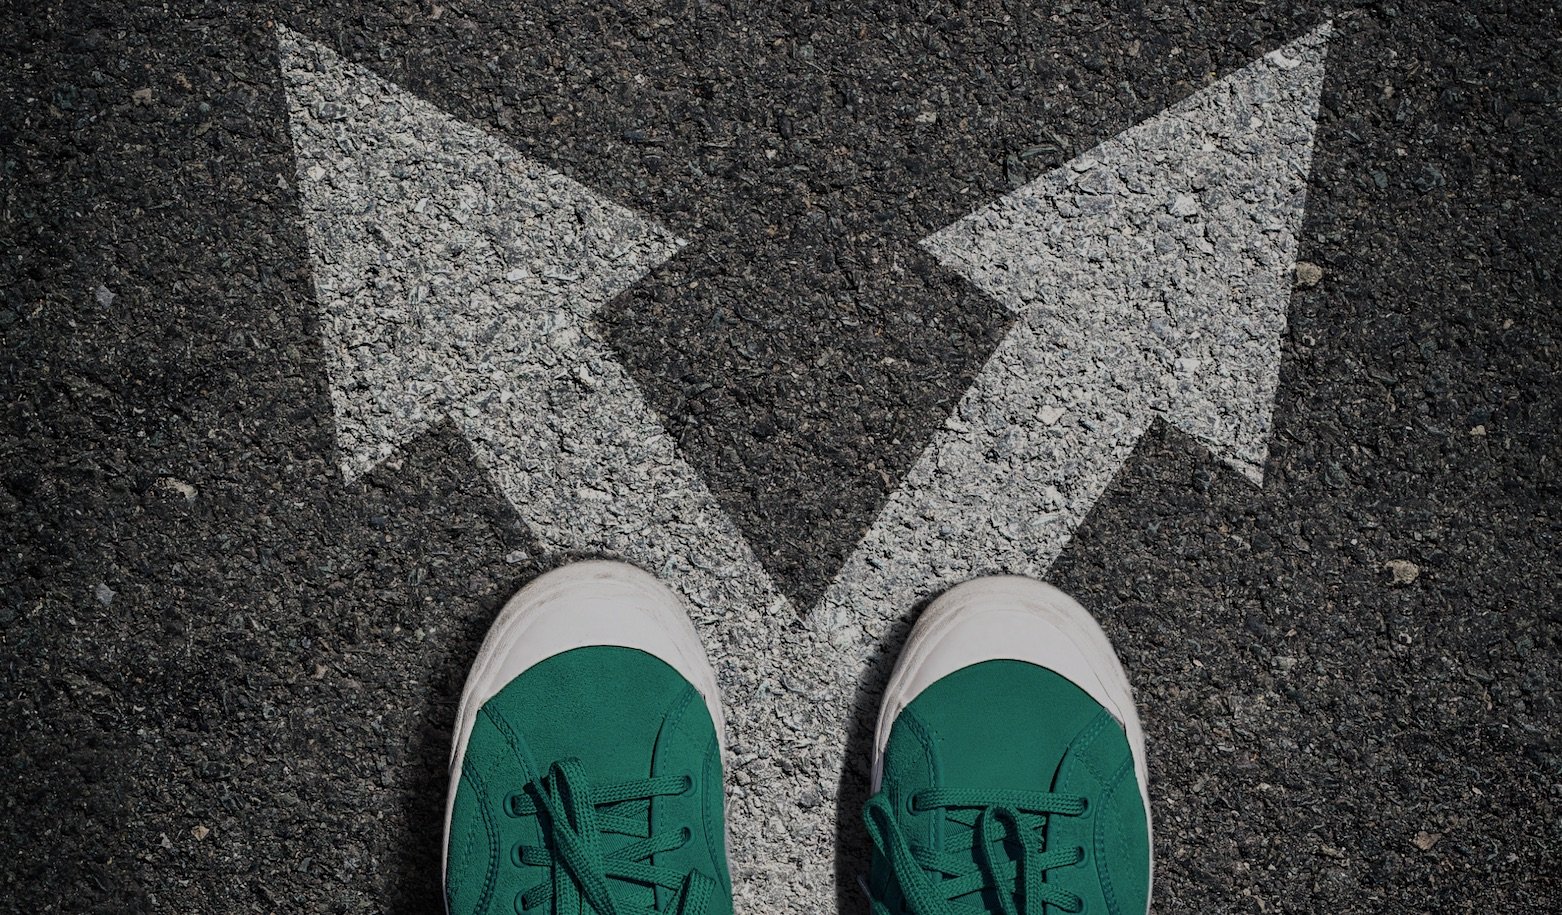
[456, 278]
[454, 272]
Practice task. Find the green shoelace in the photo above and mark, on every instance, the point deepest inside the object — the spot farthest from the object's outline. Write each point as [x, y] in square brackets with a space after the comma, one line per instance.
[1000, 851]
[574, 823]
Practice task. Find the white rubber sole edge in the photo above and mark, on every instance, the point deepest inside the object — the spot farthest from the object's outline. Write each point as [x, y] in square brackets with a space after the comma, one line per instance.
[584, 604]
[1011, 617]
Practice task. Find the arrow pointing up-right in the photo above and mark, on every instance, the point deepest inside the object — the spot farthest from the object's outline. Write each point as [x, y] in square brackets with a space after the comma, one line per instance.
[1165, 255]
[1150, 278]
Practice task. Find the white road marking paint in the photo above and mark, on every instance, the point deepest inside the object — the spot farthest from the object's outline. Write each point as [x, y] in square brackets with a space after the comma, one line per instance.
[1151, 276]
[457, 278]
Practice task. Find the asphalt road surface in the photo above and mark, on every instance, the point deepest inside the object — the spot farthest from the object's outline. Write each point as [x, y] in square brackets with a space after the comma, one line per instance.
[328, 325]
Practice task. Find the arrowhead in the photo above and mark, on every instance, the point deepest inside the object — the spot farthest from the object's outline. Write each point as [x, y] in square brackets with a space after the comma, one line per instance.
[1169, 250]
[446, 264]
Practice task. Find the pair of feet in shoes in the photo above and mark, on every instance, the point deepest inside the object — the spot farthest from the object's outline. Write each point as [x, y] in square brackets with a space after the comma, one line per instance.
[586, 772]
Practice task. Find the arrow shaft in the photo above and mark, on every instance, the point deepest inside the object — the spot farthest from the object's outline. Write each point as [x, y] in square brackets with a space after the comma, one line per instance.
[592, 472]
[1001, 487]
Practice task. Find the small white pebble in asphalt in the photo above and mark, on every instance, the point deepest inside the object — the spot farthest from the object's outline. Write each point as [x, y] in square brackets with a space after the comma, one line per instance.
[104, 594]
[1282, 61]
[1403, 570]
[179, 486]
[1308, 274]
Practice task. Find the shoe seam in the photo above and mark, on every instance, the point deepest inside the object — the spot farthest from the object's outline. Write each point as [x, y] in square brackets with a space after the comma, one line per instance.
[924, 735]
[1086, 738]
[511, 738]
[672, 716]
[705, 812]
[1100, 829]
[490, 879]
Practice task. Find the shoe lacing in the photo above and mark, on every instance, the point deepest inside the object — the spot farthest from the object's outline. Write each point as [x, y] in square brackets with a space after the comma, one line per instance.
[573, 818]
[999, 851]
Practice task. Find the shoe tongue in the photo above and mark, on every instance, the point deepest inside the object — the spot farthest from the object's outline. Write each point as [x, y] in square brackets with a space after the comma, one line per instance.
[632, 895]
[609, 843]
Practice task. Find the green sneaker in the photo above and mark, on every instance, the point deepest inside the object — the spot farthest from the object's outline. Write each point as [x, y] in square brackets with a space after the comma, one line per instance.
[1008, 768]
[585, 773]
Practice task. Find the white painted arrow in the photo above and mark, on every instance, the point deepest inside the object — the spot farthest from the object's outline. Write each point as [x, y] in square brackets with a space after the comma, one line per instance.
[1151, 277]
[457, 279]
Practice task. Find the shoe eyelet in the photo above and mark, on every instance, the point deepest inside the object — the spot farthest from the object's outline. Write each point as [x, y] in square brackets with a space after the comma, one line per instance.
[515, 854]
[1084, 806]
[688, 786]
[685, 835]
[914, 804]
[520, 906]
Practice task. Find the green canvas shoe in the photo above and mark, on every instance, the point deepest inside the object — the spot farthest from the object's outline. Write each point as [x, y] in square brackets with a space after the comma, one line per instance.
[585, 773]
[1008, 770]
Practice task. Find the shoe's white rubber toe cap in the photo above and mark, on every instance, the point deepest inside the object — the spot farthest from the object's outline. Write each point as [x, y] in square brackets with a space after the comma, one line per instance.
[1010, 617]
[585, 604]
